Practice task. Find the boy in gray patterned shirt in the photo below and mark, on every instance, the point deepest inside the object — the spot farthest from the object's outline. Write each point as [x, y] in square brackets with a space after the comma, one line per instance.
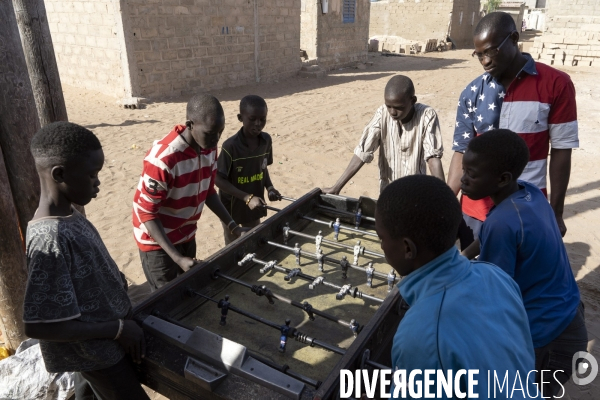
[76, 300]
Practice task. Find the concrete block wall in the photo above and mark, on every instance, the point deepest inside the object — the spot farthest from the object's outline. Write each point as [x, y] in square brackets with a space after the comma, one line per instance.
[416, 20]
[421, 20]
[188, 46]
[565, 8]
[341, 44]
[562, 44]
[572, 35]
[86, 44]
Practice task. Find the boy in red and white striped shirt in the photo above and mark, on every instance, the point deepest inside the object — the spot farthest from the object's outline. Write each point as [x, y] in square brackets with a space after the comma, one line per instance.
[177, 180]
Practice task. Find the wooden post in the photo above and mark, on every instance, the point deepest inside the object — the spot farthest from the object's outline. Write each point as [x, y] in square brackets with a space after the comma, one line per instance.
[18, 118]
[41, 61]
[13, 269]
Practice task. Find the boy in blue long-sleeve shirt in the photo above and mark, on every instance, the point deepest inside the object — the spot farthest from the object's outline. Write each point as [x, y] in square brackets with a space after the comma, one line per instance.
[521, 236]
[463, 315]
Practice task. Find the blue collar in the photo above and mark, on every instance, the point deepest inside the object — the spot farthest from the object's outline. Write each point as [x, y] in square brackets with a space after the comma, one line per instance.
[434, 276]
[528, 68]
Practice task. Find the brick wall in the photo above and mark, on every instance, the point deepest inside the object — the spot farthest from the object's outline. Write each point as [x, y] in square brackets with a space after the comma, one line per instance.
[566, 8]
[86, 44]
[187, 46]
[339, 43]
[420, 20]
[410, 19]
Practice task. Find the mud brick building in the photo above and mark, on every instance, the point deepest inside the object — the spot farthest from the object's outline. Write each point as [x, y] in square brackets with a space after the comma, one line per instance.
[154, 48]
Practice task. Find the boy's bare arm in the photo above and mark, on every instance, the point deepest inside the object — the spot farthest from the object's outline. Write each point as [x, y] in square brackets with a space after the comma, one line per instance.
[455, 172]
[436, 168]
[560, 173]
[157, 232]
[131, 338]
[472, 250]
[214, 203]
[273, 193]
[229, 188]
[353, 167]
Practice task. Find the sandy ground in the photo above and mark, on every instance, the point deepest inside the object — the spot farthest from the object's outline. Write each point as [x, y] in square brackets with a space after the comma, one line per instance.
[315, 124]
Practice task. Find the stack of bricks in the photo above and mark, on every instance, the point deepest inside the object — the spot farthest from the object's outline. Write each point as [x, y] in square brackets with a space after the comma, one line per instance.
[399, 45]
[187, 46]
[570, 41]
[86, 44]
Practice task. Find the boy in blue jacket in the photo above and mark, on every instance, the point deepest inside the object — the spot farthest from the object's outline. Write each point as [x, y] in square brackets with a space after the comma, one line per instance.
[521, 236]
[463, 315]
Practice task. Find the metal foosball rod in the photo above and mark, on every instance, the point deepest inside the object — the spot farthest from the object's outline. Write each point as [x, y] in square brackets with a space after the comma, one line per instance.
[345, 265]
[284, 329]
[314, 281]
[337, 226]
[262, 290]
[281, 368]
[357, 216]
[287, 231]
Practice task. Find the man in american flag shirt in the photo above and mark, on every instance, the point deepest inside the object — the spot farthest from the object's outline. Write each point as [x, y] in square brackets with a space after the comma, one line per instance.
[532, 99]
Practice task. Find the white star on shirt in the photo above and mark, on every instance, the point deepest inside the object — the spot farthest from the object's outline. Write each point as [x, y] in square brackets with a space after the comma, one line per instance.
[470, 109]
[456, 123]
[501, 94]
[474, 109]
[473, 88]
[484, 76]
[491, 106]
[470, 103]
[466, 135]
[491, 127]
[482, 97]
[455, 144]
[459, 103]
[492, 85]
[466, 115]
[479, 118]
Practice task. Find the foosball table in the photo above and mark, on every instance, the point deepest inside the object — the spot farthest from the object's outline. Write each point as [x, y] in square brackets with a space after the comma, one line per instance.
[279, 312]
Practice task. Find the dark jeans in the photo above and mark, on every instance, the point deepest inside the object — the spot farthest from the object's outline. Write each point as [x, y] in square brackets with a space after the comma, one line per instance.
[468, 230]
[558, 355]
[229, 237]
[118, 382]
[160, 268]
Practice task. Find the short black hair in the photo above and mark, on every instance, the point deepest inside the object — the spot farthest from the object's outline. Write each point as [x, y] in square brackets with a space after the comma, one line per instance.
[61, 142]
[252, 101]
[202, 105]
[503, 150]
[423, 208]
[499, 22]
[399, 85]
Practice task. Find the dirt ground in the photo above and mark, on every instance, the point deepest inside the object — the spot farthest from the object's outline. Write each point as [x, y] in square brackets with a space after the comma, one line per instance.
[315, 124]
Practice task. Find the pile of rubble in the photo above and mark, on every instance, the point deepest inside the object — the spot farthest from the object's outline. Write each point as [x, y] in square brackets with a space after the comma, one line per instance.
[399, 45]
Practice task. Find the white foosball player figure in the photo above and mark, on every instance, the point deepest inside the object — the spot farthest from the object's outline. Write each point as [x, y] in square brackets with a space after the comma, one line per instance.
[320, 259]
[318, 240]
[297, 251]
[356, 252]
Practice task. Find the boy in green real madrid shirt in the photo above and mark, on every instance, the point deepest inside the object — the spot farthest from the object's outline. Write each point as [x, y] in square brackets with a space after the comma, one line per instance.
[242, 173]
